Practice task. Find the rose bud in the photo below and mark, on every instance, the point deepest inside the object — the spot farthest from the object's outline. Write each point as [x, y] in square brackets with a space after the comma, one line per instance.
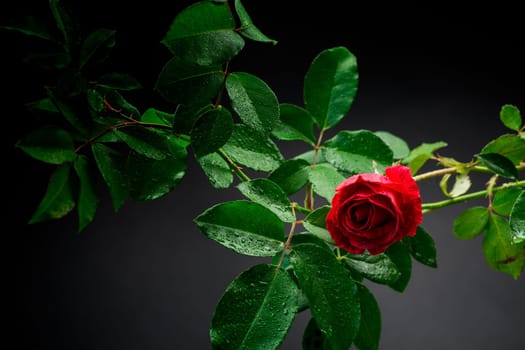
[373, 211]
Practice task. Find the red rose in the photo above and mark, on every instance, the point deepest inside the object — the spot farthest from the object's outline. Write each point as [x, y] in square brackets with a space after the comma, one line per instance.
[372, 211]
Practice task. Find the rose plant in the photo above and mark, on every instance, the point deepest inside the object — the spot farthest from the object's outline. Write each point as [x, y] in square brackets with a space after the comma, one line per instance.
[360, 215]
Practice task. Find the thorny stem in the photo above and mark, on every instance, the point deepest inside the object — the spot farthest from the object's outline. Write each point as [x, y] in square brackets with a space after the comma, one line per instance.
[452, 170]
[309, 202]
[234, 167]
[289, 239]
[123, 124]
[428, 207]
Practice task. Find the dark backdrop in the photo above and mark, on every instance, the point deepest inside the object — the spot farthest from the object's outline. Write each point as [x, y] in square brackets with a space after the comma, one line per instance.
[146, 278]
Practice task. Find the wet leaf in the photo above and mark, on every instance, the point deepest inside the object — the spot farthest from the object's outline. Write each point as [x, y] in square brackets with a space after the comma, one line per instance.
[295, 123]
[248, 29]
[256, 310]
[499, 164]
[501, 254]
[270, 195]
[211, 131]
[87, 197]
[324, 179]
[330, 86]
[246, 147]
[517, 220]
[400, 255]
[50, 145]
[315, 223]
[58, 200]
[377, 268]
[331, 293]
[357, 151]
[370, 328]
[151, 179]
[245, 227]
[398, 146]
[217, 170]
[112, 167]
[509, 146]
[291, 175]
[504, 199]
[253, 101]
[203, 33]
[422, 247]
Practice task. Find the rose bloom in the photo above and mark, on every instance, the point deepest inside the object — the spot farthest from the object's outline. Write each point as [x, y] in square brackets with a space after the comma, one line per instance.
[373, 211]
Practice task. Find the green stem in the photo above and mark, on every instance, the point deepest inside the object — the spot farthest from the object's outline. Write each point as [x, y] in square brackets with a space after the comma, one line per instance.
[428, 207]
[234, 167]
[301, 209]
[452, 170]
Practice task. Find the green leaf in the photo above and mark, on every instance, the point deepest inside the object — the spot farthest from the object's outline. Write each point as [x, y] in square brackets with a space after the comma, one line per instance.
[152, 115]
[120, 104]
[270, 195]
[245, 227]
[398, 146]
[248, 148]
[498, 249]
[67, 112]
[400, 255]
[324, 179]
[185, 82]
[256, 310]
[461, 185]
[58, 200]
[510, 117]
[291, 175]
[370, 329]
[217, 170]
[312, 157]
[254, 101]
[31, 26]
[313, 338]
[112, 167]
[119, 81]
[419, 155]
[315, 223]
[186, 115]
[357, 151]
[295, 123]
[517, 220]
[211, 131]
[147, 142]
[510, 146]
[87, 197]
[151, 179]
[96, 47]
[43, 105]
[422, 247]
[330, 86]
[49, 144]
[504, 199]
[331, 293]
[248, 29]
[204, 33]
[499, 164]
[65, 23]
[377, 268]
[471, 222]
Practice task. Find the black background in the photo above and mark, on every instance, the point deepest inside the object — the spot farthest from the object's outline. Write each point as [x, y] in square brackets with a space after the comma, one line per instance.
[146, 278]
